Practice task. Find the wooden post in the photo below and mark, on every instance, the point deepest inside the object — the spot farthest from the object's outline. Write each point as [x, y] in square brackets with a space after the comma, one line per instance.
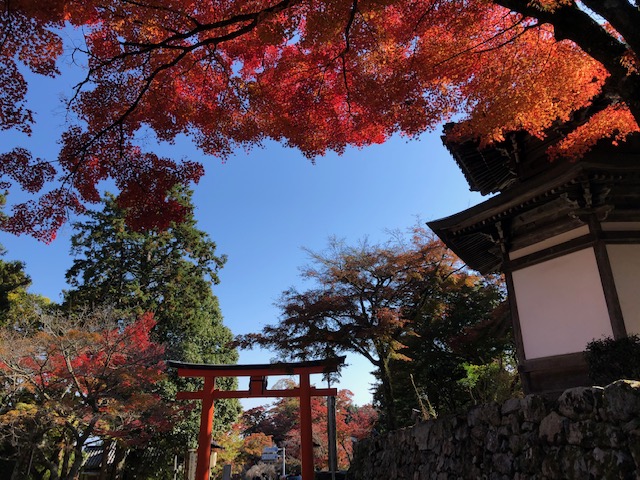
[306, 437]
[331, 434]
[203, 468]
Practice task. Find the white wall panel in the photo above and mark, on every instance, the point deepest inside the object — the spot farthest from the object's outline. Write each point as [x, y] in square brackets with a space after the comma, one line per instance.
[561, 305]
[625, 264]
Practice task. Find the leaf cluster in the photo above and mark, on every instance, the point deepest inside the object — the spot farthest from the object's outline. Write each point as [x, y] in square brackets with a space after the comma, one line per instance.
[364, 300]
[77, 377]
[315, 75]
[464, 328]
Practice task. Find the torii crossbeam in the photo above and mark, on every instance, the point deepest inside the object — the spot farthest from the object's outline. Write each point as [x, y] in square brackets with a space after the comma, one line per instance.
[257, 389]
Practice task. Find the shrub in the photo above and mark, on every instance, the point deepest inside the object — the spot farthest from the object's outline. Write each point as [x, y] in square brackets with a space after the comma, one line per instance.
[609, 359]
[490, 382]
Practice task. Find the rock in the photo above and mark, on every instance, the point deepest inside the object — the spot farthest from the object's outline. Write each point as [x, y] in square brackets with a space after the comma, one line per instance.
[580, 402]
[610, 464]
[421, 433]
[512, 405]
[491, 440]
[483, 414]
[634, 447]
[503, 463]
[533, 408]
[622, 400]
[553, 428]
[551, 465]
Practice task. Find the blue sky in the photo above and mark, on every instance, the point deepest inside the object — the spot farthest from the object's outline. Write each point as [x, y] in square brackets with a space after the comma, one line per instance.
[262, 207]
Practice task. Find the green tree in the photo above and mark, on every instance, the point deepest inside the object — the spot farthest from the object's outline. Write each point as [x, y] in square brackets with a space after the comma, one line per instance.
[17, 304]
[462, 330]
[12, 279]
[168, 273]
[12, 276]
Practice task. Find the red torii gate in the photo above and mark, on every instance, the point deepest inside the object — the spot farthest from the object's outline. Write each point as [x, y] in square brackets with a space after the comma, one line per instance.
[257, 389]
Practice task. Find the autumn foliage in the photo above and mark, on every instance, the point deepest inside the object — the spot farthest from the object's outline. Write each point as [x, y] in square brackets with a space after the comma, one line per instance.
[79, 378]
[408, 306]
[280, 424]
[315, 75]
[364, 299]
[352, 425]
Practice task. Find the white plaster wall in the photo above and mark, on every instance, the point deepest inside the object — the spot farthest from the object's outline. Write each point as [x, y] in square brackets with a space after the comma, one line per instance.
[550, 242]
[561, 305]
[625, 263]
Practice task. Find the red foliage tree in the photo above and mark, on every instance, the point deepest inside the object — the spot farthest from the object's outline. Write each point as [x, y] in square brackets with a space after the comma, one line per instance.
[352, 424]
[280, 422]
[317, 75]
[79, 378]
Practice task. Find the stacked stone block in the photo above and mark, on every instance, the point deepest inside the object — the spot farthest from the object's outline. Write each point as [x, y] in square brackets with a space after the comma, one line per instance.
[586, 433]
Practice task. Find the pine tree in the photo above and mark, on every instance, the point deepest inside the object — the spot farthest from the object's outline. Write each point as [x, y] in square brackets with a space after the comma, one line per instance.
[16, 303]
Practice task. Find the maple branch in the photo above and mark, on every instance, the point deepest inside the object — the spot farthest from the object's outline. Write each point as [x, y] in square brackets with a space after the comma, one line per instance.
[365, 352]
[423, 16]
[505, 42]
[118, 122]
[7, 31]
[475, 48]
[343, 54]
[74, 378]
[571, 23]
[251, 19]
[161, 8]
[347, 30]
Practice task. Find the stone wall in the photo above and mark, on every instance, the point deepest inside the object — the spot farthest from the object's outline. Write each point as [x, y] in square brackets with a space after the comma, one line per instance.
[587, 433]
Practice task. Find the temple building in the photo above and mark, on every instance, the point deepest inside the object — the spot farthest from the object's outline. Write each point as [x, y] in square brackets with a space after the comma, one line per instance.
[566, 235]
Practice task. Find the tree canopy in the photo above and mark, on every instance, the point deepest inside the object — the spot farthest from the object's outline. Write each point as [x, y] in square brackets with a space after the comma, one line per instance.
[316, 75]
[371, 300]
[75, 378]
[169, 273]
[462, 352]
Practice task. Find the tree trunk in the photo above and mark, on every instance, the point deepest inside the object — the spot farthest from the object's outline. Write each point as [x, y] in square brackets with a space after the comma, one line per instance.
[78, 460]
[20, 467]
[64, 470]
[104, 464]
[388, 399]
[119, 462]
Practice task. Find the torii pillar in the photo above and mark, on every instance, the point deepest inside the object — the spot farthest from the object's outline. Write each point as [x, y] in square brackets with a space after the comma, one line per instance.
[257, 389]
